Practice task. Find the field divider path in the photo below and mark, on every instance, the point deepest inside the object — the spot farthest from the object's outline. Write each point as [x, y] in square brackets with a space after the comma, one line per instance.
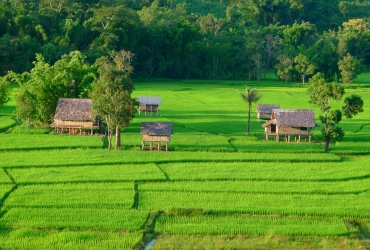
[135, 205]
[164, 172]
[149, 232]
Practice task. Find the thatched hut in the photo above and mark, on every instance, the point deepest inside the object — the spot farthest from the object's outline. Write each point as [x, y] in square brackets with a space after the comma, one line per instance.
[159, 132]
[264, 111]
[149, 104]
[287, 122]
[74, 115]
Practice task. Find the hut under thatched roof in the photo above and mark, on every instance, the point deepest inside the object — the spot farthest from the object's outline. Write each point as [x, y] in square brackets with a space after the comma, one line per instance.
[264, 111]
[149, 104]
[156, 132]
[74, 115]
[287, 122]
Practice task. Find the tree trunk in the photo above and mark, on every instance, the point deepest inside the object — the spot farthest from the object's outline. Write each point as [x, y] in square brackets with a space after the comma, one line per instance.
[326, 147]
[110, 136]
[118, 138]
[249, 118]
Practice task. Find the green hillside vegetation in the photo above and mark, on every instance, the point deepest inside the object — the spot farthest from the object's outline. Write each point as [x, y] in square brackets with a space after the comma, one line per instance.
[215, 188]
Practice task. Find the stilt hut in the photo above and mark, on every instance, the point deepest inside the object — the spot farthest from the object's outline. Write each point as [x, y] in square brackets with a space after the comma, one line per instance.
[74, 116]
[158, 132]
[290, 122]
[149, 104]
[264, 111]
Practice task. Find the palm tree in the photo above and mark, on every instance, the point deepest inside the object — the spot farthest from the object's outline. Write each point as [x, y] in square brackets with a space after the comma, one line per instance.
[252, 95]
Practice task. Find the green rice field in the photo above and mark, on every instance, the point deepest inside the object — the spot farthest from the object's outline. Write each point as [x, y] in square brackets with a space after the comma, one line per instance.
[216, 187]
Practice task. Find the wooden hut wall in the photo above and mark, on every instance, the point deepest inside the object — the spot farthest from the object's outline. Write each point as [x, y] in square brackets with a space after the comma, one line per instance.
[265, 116]
[284, 130]
[156, 138]
[62, 123]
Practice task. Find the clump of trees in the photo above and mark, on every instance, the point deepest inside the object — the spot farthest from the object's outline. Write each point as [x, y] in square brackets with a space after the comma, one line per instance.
[111, 93]
[321, 93]
[190, 39]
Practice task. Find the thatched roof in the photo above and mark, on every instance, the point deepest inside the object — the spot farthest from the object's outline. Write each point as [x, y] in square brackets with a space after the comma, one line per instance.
[156, 128]
[150, 100]
[73, 109]
[267, 108]
[292, 118]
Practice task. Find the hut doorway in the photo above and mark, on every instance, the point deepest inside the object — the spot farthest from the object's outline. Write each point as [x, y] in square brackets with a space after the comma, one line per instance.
[273, 128]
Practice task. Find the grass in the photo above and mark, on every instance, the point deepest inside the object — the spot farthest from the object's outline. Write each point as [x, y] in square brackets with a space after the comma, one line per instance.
[82, 195]
[247, 242]
[107, 173]
[234, 191]
[100, 156]
[6, 122]
[4, 177]
[273, 171]
[45, 141]
[250, 225]
[28, 238]
[75, 219]
[349, 205]
[262, 187]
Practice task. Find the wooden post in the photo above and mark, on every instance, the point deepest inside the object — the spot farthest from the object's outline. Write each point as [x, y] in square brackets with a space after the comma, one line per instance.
[166, 146]
[288, 138]
[309, 138]
[277, 137]
[299, 138]
[159, 145]
[151, 145]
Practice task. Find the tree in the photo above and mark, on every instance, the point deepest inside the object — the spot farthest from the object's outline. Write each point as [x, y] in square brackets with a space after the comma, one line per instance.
[349, 68]
[304, 66]
[284, 67]
[251, 95]
[111, 93]
[4, 90]
[320, 94]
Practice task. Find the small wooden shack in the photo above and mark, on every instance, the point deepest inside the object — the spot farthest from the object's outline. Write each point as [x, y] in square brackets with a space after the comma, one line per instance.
[74, 116]
[264, 111]
[159, 132]
[149, 104]
[290, 122]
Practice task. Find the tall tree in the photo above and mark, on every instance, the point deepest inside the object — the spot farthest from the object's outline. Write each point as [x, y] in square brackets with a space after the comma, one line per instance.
[4, 90]
[349, 68]
[320, 94]
[251, 95]
[111, 93]
[304, 66]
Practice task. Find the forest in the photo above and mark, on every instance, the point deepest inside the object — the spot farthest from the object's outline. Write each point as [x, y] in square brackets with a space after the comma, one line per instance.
[194, 39]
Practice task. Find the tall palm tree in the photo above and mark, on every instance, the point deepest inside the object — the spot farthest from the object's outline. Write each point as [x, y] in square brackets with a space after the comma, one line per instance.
[251, 95]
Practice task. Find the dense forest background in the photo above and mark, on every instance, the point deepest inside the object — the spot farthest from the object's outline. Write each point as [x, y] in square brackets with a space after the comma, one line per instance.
[223, 39]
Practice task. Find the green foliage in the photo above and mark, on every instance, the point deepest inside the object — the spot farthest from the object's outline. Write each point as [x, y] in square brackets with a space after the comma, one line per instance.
[349, 68]
[4, 90]
[320, 94]
[111, 93]
[45, 83]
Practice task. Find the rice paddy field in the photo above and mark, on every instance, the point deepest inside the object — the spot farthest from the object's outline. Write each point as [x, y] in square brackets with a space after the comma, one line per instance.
[216, 187]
